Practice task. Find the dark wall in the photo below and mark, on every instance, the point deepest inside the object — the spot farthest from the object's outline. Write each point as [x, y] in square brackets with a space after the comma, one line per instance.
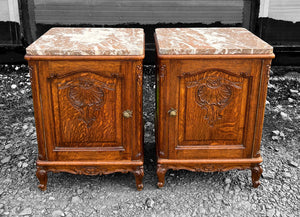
[37, 17]
[284, 36]
[11, 48]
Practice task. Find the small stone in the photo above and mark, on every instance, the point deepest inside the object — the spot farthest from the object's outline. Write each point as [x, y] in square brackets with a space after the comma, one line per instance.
[294, 91]
[115, 212]
[75, 199]
[218, 196]
[212, 209]
[51, 198]
[227, 181]
[285, 187]
[287, 175]
[79, 191]
[285, 116]
[246, 205]
[8, 146]
[237, 188]
[22, 157]
[26, 211]
[149, 203]
[276, 132]
[269, 175]
[58, 213]
[293, 164]
[20, 164]
[270, 212]
[194, 213]
[227, 188]
[1, 205]
[13, 86]
[5, 160]
[25, 165]
[202, 210]
[25, 126]
[290, 100]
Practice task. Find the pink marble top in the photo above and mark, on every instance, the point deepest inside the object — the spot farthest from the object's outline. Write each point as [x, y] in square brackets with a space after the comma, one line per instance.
[89, 41]
[208, 41]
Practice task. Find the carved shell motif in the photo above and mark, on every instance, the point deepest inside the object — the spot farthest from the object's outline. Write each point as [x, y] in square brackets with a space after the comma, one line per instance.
[213, 94]
[86, 96]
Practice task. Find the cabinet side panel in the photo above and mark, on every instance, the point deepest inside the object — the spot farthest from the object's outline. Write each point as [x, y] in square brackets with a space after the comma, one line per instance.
[138, 146]
[266, 65]
[162, 129]
[37, 103]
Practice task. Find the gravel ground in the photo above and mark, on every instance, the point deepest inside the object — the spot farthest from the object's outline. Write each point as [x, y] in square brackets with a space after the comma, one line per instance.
[185, 193]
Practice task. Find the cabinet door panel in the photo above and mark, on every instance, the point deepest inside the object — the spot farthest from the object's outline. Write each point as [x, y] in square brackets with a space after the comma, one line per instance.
[216, 108]
[212, 108]
[87, 110]
[83, 110]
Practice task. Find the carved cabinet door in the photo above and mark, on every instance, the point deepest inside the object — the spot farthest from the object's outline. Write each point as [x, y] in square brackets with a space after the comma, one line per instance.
[84, 103]
[215, 104]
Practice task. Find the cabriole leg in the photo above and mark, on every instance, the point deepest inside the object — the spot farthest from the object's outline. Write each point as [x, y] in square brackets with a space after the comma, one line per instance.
[139, 174]
[256, 173]
[42, 177]
[161, 172]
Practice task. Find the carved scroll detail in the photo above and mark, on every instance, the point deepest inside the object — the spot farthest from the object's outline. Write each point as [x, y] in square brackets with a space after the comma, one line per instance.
[162, 70]
[139, 74]
[210, 167]
[89, 170]
[30, 68]
[86, 96]
[213, 94]
[268, 66]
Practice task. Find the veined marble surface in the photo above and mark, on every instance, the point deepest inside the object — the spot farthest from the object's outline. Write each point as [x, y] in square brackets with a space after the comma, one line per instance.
[89, 41]
[209, 41]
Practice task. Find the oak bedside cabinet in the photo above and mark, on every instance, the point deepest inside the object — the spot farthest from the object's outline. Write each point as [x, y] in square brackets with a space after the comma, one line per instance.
[211, 93]
[87, 93]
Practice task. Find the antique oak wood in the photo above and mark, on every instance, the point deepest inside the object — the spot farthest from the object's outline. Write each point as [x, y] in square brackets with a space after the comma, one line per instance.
[210, 111]
[88, 112]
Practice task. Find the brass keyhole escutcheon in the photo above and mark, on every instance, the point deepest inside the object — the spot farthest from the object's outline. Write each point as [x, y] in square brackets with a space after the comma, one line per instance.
[172, 112]
[127, 114]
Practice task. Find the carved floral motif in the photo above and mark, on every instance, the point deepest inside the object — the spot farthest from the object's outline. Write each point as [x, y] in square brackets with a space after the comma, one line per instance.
[213, 94]
[86, 96]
